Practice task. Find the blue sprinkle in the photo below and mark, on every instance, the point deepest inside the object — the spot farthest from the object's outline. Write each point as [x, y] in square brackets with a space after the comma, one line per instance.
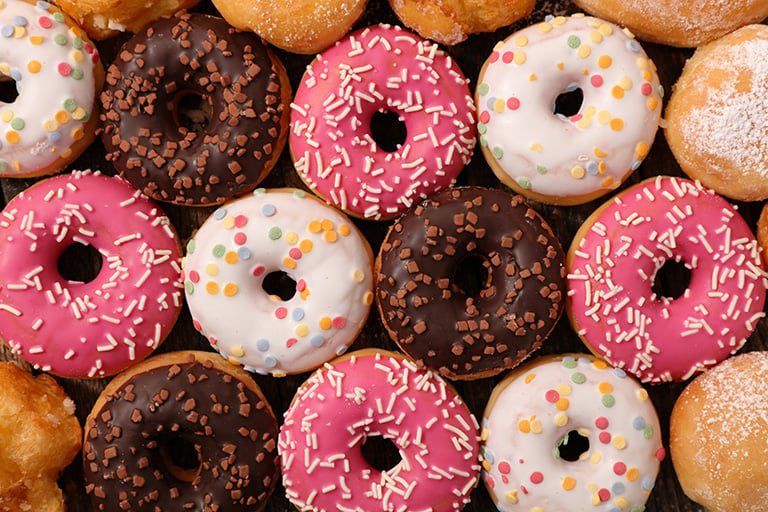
[548, 18]
[317, 341]
[243, 253]
[341, 349]
[633, 46]
[270, 361]
[636, 164]
[592, 167]
[43, 6]
[262, 345]
[614, 508]
[648, 483]
[490, 102]
[16, 74]
[618, 372]
[268, 210]
[585, 360]
[54, 137]
[220, 213]
[6, 31]
[617, 488]
[571, 87]
[489, 456]
[638, 423]
[20, 21]
[298, 314]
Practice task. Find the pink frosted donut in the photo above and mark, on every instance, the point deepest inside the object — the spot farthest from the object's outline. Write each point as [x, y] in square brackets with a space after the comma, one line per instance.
[381, 69]
[96, 328]
[613, 263]
[378, 393]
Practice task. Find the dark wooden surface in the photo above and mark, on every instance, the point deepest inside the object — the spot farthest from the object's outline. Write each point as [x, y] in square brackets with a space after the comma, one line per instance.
[667, 496]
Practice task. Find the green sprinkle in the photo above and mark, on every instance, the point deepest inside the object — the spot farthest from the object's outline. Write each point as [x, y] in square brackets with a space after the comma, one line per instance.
[189, 287]
[259, 191]
[18, 123]
[578, 378]
[77, 73]
[60, 39]
[299, 193]
[648, 431]
[275, 233]
[574, 42]
[483, 89]
[569, 362]
[191, 246]
[482, 128]
[497, 152]
[483, 141]
[3, 165]
[541, 169]
[661, 90]
[77, 43]
[219, 250]
[524, 183]
[58, 17]
[608, 400]
[70, 105]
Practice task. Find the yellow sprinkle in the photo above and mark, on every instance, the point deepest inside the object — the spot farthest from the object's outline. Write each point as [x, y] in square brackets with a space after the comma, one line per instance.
[632, 474]
[562, 404]
[596, 37]
[78, 114]
[325, 323]
[77, 56]
[569, 483]
[75, 31]
[584, 51]
[304, 294]
[605, 29]
[19, 32]
[607, 182]
[537, 509]
[604, 388]
[625, 83]
[231, 257]
[358, 275]
[34, 66]
[564, 389]
[291, 237]
[368, 298]
[345, 230]
[66, 153]
[617, 124]
[641, 151]
[533, 77]
[238, 351]
[78, 133]
[604, 61]
[599, 153]
[652, 103]
[642, 395]
[642, 63]
[603, 117]
[595, 499]
[212, 287]
[212, 269]
[315, 226]
[305, 246]
[12, 137]
[498, 45]
[600, 364]
[561, 419]
[558, 20]
[62, 116]
[601, 167]
[537, 148]
[289, 262]
[484, 432]
[536, 426]
[326, 224]
[228, 222]
[578, 172]
[584, 122]
[521, 41]
[7, 116]
[519, 58]
[230, 289]
[596, 458]
[524, 426]
[50, 126]
[498, 105]
[595, 22]
[617, 92]
[622, 502]
[545, 27]
[511, 497]
[36, 40]
[619, 442]
[529, 378]
[330, 236]
[301, 330]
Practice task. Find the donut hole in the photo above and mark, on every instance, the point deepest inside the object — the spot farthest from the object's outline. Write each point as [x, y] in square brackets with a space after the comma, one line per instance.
[671, 281]
[192, 111]
[79, 263]
[388, 130]
[8, 90]
[472, 274]
[181, 457]
[572, 446]
[569, 102]
[279, 285]
[381, 453]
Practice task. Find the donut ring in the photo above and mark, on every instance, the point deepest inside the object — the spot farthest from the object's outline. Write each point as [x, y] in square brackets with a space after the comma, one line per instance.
[233, 257]
[381, 69]
[470, 335]
[233, 73]
[58, 74]
[564, 158]
[378, 393]
[616, 255]
[197, 398]
[97, 328]
[567, 396]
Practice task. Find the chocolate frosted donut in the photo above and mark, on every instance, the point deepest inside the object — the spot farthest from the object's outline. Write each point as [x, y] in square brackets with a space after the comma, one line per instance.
[465, 328]
[181, 431]
[194, 111]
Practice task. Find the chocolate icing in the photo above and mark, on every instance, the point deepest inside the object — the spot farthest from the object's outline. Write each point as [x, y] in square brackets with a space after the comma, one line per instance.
[436, 322]
[205, 56]
[232, 428]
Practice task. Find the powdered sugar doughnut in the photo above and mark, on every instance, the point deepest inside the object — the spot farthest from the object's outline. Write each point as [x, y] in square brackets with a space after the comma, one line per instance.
[245, 247]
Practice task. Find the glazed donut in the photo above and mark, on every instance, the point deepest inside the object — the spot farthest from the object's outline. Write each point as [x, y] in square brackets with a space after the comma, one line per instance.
[39, 437]
[381, 69]
[181, 431]
[613, 264]
[451, 21]
[684, 24]
[233, 271]
[717, 115]
[717, 435]
[559, 154]
[297, 26]
[58, 75]
[448, 326]
[103, 19]
[242, 88]
[570, 398]
[99, 327]
[378, 393]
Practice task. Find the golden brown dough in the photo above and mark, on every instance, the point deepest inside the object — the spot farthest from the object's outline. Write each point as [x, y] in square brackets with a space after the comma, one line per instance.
[683, 23]
[106, 18]
[39, 436]
[717, 115]
[452, 21]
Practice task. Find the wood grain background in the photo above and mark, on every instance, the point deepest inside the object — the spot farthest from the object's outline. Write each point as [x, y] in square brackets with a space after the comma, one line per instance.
[667, 496]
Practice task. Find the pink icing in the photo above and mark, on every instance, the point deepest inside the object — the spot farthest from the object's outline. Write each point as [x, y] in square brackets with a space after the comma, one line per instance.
[98, 328]
[381, 69]
[378, 393]
[613, 266]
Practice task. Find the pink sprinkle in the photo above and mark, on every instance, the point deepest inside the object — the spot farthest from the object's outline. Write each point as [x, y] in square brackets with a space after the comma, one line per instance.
[194, 276]
[485, 116]
[504, 467]
[301, 285]
[490, 482]
[64, 69]
[291, 342]
[552, 396]
[240, 238]
[596, 80]
[45, 22]
[604, 437]
[537, 477]
[213, 340]
[508, 57]
[196, 325]
[241, 220]
[660, 454]
[295, 253]
[575, 118]
[281, 313]
[339, 322]
[601, 423]
[513, 103]
[604, 494]
[619, 468]
[88, 48]
[258, 270]
[646, 89]
[494, 57]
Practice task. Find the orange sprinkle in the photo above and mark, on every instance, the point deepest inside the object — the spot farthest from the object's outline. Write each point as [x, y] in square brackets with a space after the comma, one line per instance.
[325, 323]
[330, 236]
[368, 298]
[529, 378]
[617, 124]
[604, 388]
[315, 226]
[289, 262]
[562, 404]
[344, 230]
[617, 92]
[600, 364]
[34, 66]
[569, 483]
[641, 151]
[326, 224]
[36, 40]
[305, 246]
[62, 116]
[604, 61]
[632, 474]
[607, 182]
[230, 289]
[652, 103]
[231, 257]
[212, 287]
[78, 133]
[524, 426]
[13, 137]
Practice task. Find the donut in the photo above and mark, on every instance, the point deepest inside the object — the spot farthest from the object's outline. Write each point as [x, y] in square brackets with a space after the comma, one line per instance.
[463, 329]
[383, 70]
[620, 250]
[39, 437]
[683, 24]
[58, 74]
[375, 393]
[278, 281]
[181, 431]
[568, 108]
[175, 150]
[297, 26]
[762, 233]
[717, 114]
[717, 435]
[569, 432]
[450, 22]
[103, 19]
[87, 328]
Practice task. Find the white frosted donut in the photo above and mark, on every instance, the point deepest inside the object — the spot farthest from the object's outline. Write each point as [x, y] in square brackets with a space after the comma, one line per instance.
[235, 255]
[545, 405]
[545, 152]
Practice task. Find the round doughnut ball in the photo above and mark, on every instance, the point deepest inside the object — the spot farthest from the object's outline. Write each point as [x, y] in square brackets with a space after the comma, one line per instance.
[717, 115]
[451, 21]
[762, 233]
[73, 324]
[346, 149]
[569, 432]
[685, 24]
[568, 108]
[375, 393]
[717, 436]
[208, 121]
[661, 226]
[278, 281]
[107, 18]
[181, 431]
[58, 75]
[470, 282]
[298, 26]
